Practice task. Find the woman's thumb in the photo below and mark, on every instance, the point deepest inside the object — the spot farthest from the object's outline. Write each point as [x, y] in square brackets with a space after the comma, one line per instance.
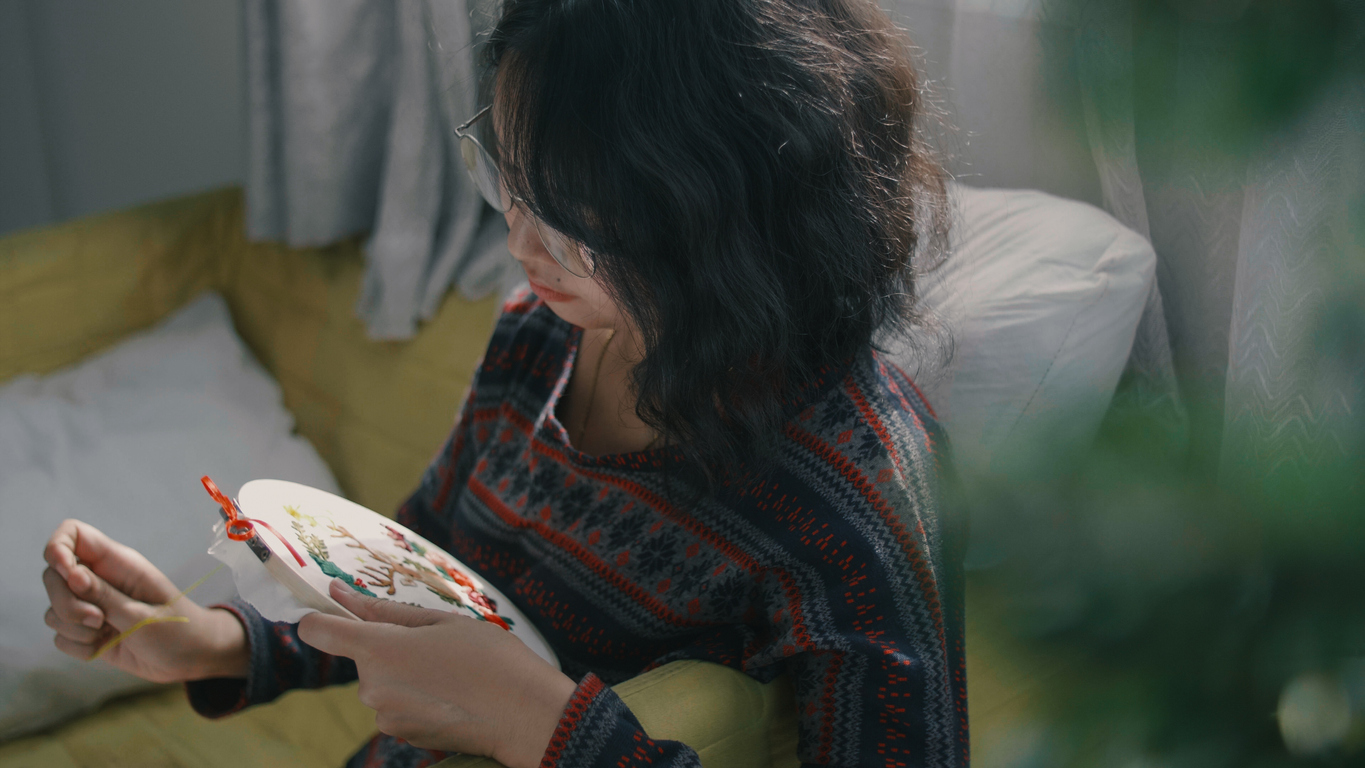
[120, 610]
[369, 608]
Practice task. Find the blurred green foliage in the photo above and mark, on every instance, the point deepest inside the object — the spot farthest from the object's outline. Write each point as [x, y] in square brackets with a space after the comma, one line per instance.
[1193, 607]
[1214, 76]
[1258, 64]
[1212, 619]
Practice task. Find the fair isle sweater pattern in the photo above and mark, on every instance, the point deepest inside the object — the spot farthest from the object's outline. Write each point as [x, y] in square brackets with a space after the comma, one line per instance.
[834, 567]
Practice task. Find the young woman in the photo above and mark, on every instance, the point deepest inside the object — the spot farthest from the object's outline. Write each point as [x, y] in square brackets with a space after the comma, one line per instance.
[680, 443]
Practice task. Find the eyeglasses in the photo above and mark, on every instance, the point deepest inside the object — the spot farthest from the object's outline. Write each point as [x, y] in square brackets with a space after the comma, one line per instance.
[483, 169]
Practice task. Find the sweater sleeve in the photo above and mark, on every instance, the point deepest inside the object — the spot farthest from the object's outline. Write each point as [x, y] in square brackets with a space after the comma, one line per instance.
[279, 660]
[598, 729]
[875, 650]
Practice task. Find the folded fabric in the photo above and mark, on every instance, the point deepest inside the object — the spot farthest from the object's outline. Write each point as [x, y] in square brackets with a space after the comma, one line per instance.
[120, 441]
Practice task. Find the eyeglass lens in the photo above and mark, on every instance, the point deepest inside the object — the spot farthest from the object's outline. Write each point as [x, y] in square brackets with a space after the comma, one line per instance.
[570, 254]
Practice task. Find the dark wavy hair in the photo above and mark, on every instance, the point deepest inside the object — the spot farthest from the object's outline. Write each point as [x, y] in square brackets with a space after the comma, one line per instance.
[750, 177]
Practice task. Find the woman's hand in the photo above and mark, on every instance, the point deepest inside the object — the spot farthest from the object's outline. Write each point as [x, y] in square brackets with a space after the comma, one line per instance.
[99, 588]
[446, 682]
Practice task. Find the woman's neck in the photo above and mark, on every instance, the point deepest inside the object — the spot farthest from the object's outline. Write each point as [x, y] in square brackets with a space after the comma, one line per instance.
[599, 411]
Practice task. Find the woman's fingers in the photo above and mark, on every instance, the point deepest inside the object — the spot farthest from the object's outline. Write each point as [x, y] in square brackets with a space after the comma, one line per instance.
[387, 611]
[93, 602]
[120, 610]
[79, 551]
[81, 651]
[75, 632]
[67, 606]
[335, 635]
[61, 550]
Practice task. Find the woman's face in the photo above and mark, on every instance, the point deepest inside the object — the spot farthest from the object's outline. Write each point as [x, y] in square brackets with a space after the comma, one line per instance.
[578, 300]
[581, 301]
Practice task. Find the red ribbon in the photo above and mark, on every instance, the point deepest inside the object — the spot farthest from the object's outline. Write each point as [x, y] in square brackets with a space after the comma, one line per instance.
[239, 526]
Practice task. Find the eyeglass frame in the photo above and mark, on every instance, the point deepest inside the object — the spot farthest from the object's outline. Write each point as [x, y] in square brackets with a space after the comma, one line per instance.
[584, 254]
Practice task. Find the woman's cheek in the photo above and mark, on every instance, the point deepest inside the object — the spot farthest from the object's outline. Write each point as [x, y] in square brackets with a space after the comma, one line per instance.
[603, 312]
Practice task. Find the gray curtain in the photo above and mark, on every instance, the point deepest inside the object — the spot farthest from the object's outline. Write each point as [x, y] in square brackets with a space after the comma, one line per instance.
[1251, 240]
[1290, 399]
[352, 106]
[1149, 384]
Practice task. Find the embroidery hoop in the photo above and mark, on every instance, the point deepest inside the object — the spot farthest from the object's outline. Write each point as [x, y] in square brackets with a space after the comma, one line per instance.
[266, 503]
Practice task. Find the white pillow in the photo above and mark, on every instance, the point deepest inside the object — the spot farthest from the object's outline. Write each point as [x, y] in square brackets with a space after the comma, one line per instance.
[1042, 298]
[120, 441]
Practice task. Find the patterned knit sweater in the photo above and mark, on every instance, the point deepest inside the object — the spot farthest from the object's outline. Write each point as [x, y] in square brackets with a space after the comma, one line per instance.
[835, 567]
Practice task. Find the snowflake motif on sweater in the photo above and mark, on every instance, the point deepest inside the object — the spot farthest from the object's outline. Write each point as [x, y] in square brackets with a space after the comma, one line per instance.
[834, 568]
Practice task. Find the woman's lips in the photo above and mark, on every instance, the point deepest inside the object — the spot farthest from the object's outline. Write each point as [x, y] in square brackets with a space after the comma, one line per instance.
[549, 294]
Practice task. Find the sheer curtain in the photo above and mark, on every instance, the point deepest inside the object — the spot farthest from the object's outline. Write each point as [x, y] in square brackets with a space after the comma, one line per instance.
[352, 106]
[1252, 232]
[1253, 240]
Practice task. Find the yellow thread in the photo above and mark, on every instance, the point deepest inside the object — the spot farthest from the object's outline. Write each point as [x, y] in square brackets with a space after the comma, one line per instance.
[120, 636]
[116, 639]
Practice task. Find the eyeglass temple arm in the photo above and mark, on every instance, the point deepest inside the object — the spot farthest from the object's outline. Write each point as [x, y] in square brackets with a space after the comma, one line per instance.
[461, 130]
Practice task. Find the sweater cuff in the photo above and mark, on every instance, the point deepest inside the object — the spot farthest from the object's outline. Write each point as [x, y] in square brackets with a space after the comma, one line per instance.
[589, 688]
[598, 730]
[221, 696]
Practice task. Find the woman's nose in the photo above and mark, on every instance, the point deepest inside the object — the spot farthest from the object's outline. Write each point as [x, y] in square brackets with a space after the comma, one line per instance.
[522, 238]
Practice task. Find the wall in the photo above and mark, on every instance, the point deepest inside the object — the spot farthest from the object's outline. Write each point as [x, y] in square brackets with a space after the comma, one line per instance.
[104, 105]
